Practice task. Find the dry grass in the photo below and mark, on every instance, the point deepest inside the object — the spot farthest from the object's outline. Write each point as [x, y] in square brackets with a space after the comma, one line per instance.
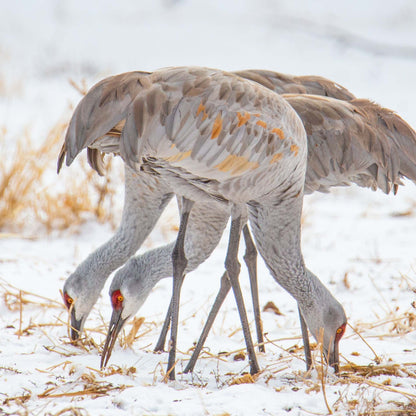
[15, 298]
[30, 191]
[244, 379]
[131, 336]
[85, 385]
[361, 388]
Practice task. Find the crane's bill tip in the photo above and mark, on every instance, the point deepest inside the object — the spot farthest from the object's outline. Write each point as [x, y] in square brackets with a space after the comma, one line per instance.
[61, 158]
[116, 324]
[59, 166]
[102, 364]
[76, 325]
[74, 334]
[333, 358]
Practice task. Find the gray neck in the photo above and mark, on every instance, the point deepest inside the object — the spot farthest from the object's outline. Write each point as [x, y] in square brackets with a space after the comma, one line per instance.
[153, 265]
[144, 201]
[276, 229]
[205, 227]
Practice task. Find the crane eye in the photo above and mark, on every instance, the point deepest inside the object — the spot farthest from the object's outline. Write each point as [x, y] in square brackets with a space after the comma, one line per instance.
[340, 332]
[117, 300]
[68, 300]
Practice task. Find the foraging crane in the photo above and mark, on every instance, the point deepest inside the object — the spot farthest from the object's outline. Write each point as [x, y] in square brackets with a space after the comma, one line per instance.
[212, 136]
[107, 103]
[356, 141]
[87, 281]
[348, 142]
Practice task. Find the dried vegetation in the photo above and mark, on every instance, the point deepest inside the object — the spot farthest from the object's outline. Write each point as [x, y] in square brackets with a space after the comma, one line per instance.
[361, 388]
[32, 194]
[27, 194]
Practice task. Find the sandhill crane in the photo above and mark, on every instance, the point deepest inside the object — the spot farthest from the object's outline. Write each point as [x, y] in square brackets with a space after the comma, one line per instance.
[349, 142]
[381, 123]
[211, 135]
[107, 103]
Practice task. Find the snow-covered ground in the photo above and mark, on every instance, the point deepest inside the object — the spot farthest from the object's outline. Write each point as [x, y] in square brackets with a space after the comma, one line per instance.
[358, 242]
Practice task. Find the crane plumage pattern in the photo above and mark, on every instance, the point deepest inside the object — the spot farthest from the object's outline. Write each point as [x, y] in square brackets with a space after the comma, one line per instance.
[218, 139]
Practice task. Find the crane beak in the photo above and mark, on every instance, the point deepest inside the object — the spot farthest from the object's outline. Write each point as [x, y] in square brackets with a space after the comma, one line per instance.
[333, 356]
[114, 329]
[76, 325]
[305, 337]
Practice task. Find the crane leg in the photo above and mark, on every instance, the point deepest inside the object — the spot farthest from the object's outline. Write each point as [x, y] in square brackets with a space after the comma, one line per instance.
[250, 258]
[179, 265]
[160, 344]
[233, 268]
[306, 346]
[219, 300]
[206, 218]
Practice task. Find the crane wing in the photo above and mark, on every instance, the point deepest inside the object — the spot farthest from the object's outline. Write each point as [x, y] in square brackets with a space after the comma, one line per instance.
[100, 110]
[305, 84]
[221, 123]
[356, 141]
[99, 118]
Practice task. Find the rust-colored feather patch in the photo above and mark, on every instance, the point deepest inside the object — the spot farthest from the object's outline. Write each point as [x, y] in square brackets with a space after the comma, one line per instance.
[279, 132]
[217, 127]
[236, 164]
[202, 109]
[294, 149]
[276, 158]
[179, 156]
[242, 119]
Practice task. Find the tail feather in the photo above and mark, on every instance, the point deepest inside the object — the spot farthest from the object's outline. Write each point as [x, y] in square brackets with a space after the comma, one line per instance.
[61, 157]
[96, 160]
[400, 158]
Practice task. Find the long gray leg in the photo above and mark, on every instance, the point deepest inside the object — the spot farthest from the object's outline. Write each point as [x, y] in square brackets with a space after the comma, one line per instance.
[306, 346]
[219, 300]
[179, 265]
[206, 224]
[160, 344]
[250, 257]
[233, 268]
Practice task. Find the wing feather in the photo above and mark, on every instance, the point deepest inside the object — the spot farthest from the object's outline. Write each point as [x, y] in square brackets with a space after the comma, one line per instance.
[101, 109]
[306, 84]
[227, 127]
[106, 103]
[356, 141]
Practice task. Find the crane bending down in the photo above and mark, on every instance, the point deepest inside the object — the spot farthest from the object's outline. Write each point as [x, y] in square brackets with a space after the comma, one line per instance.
[327, 167]
[213, 136]
[384, 147]
[104, 102]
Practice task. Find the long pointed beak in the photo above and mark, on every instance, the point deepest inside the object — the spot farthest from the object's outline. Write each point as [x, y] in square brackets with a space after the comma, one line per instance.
[305, 337]
[114, 329]
[333, 358]
[76, 326]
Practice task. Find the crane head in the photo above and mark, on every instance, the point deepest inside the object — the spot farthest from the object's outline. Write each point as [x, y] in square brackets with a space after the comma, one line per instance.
[76, 325]
[79, 296]
[118, 319]
[128, 291]
[326, 320]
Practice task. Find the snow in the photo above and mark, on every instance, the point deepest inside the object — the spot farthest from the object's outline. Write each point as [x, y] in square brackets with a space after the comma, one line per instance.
[353, 239]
